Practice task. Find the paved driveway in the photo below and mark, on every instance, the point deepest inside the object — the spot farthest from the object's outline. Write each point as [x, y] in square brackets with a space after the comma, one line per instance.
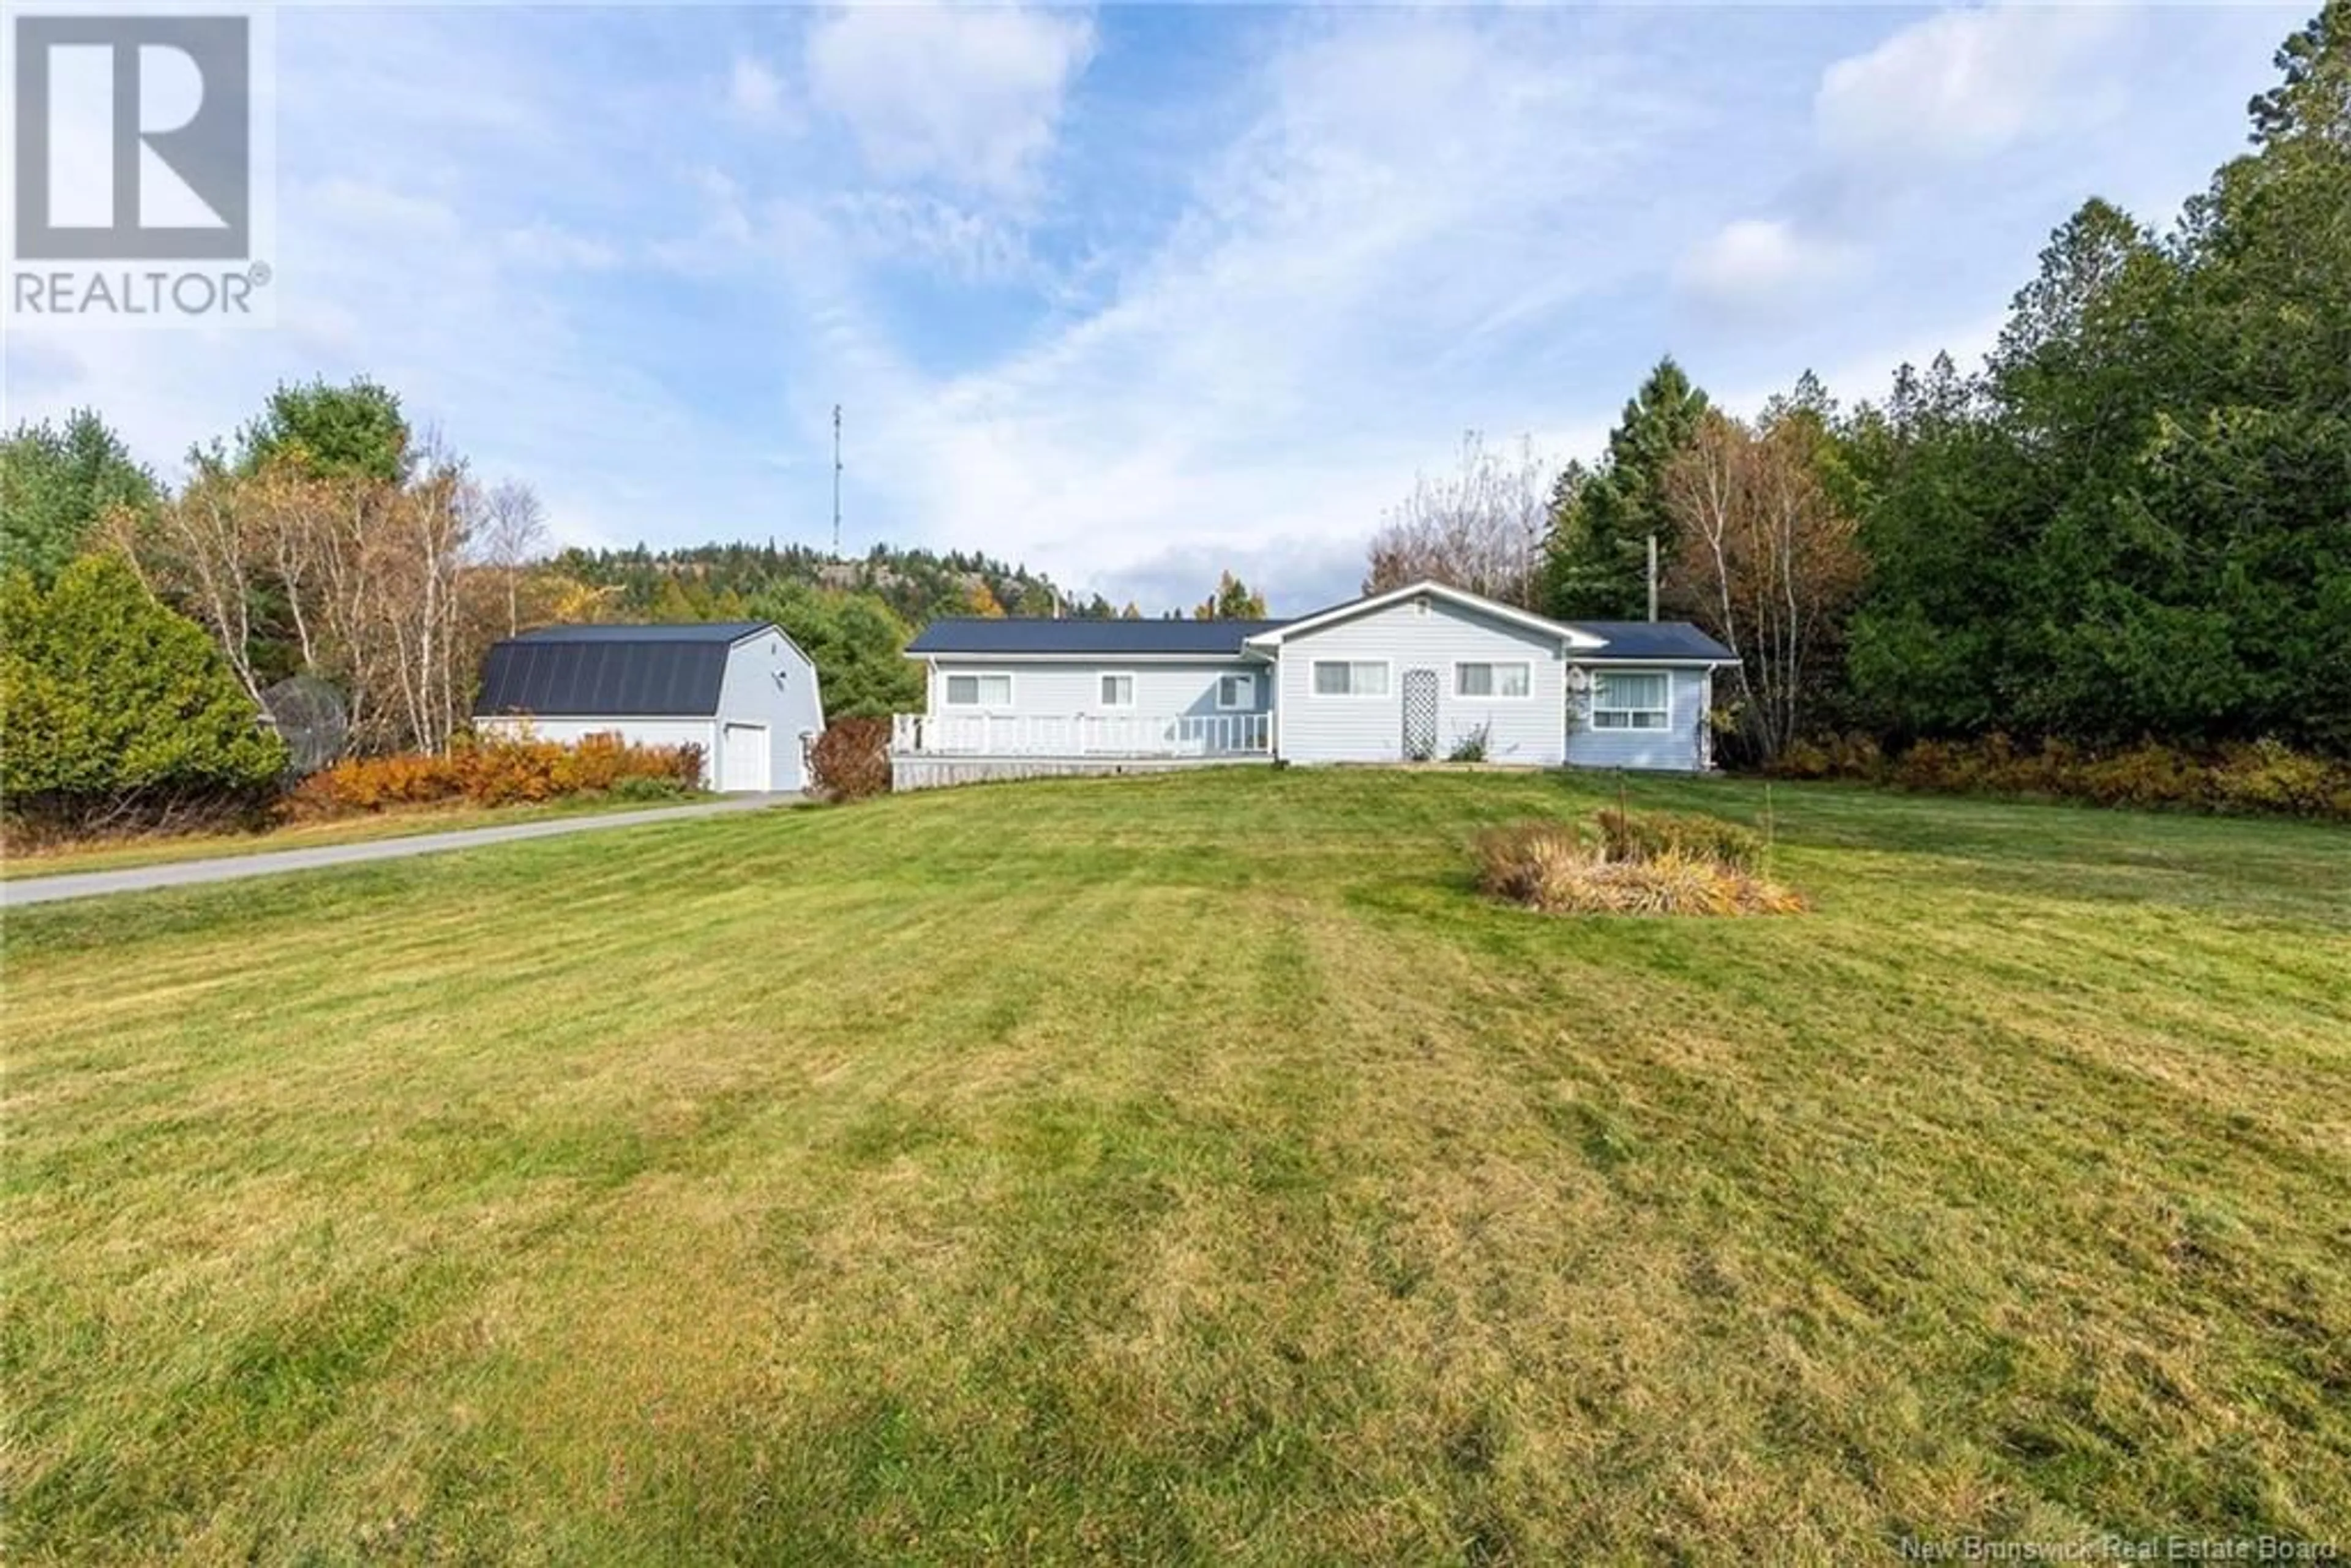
[223, 868]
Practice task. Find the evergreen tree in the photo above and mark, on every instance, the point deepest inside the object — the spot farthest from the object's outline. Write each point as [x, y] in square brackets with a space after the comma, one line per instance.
[352, 432]
[116, 706]
[56, 485]
[1231, 601]
[1596, 556]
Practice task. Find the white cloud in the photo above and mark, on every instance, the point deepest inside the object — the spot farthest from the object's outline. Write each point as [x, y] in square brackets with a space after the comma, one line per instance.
[971, 97]
[754, 92]
[1889, 124]
[1308, 331]
[550, 246]
[970, 245]
[1228, 313]
[1759, 264]
[1966, 83]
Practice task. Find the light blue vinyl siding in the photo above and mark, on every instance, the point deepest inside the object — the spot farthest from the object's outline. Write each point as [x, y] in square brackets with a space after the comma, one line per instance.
[1674, 748]
[1073, 688]
[1407, 636]
[791, 708]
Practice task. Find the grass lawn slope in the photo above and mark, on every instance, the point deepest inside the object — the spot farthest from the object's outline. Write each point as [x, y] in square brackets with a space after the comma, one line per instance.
[1187, 1168]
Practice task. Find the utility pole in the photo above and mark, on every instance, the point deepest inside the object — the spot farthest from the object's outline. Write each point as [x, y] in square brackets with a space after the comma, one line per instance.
[1653, 577]
[836, 497]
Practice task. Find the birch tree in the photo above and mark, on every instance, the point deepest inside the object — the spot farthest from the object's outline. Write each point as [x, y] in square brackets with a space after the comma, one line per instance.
[1767, 562]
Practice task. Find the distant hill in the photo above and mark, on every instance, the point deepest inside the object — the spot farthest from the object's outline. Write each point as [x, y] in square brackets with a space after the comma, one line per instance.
[919, 585]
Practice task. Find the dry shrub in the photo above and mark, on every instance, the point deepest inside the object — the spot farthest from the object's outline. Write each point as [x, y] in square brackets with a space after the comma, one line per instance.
[1647, 835]
[496, 771]
[1524, 861]
[1631, 863]
[2263, 776]
[851, 760]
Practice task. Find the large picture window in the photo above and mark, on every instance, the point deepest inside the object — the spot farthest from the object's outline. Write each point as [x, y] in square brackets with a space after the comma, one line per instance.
[979, 691]
[1341, 678]
[1632, 699]
[1487, 679]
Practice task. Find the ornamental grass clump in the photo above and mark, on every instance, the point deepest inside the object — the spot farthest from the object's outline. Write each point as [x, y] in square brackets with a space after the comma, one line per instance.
[1632, 863]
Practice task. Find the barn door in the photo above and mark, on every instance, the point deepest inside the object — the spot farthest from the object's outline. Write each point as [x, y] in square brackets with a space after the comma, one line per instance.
[1419, 715]
[743, 758]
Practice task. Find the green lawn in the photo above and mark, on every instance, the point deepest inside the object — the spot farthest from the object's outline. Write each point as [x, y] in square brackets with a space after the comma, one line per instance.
[1187, 1168]
[164, 849]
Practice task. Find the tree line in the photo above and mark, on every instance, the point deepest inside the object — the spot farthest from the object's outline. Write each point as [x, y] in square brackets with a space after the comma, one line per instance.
[326, 580]
[2132, 521]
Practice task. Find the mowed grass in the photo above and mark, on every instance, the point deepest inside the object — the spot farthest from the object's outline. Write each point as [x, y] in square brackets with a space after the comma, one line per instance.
[1187, 1168]
[166, 849]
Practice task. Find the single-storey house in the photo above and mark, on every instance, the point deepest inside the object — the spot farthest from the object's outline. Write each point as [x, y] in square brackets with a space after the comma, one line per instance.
[741, 690]
[1424, 672]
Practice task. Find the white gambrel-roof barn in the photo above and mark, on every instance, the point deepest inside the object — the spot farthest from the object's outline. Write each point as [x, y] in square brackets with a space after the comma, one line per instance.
[741, 690]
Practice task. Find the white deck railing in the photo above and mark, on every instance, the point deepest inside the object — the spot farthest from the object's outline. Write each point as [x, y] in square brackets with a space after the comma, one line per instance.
[1080, 734]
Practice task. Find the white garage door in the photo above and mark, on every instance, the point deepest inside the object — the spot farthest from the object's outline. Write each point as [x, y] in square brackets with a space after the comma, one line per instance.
[743, 758]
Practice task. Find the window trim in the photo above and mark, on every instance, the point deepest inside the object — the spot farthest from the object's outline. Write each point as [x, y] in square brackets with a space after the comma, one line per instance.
[1104, 703]
[1387, 686]
[1631, 715]
[1247, 705]
[1496, 695]
[978, 703]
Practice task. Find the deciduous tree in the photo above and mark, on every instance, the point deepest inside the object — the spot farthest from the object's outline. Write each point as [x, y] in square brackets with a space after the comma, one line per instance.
[1478, 527]
[1768, 562]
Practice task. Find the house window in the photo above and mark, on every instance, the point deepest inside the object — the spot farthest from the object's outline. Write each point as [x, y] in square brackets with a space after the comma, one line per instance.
[1628, 699]
[979, 691]
[1237, 690]
[1340, 678]
[1510, 680]
[1118, 691]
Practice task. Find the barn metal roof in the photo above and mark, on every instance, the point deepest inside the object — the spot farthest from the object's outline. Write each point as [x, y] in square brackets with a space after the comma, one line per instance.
[1124, 639]
[721, 631]
[611, 671]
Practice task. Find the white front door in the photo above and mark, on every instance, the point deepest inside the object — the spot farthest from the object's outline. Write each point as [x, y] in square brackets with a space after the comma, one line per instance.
[743, 758]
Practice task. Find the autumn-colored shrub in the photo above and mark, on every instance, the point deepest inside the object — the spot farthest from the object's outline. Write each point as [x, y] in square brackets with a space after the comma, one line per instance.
[1631, 863]
[1523, 861]
[495, 771]
[2269, 776]
[1649, 835]
[1831, 756]
[851, 760]
[2263, 776]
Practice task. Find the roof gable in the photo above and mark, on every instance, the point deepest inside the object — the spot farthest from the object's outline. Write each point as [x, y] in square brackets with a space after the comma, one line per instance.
[1567, 636]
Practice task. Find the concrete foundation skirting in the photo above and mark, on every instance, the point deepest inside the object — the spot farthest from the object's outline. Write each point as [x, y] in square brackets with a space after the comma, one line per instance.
[909, 772]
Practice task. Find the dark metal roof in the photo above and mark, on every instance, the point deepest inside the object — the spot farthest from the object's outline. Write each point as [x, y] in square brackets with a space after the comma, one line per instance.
[1125, 639]
[1649, 639]
[722, 631]
[611, 671]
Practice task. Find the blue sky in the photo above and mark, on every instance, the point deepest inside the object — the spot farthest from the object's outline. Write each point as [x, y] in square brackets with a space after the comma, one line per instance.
[1132, 293]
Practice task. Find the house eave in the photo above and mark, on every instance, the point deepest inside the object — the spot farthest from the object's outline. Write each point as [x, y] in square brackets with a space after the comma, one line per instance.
[1239, 656]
